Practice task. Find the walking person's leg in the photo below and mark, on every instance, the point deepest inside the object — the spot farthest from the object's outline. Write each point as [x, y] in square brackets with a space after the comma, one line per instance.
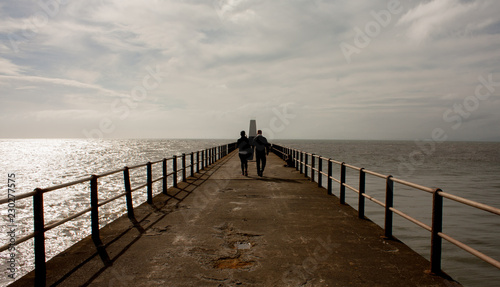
[243, 163]
[257, 160]
[246, 166]
[263, 163]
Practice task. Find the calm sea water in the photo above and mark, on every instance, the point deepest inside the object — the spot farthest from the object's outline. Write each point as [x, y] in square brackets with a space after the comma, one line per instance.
[48, 162]
[470, 170]
[466, 169]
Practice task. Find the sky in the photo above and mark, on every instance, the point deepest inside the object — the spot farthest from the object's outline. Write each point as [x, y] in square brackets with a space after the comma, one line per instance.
[303, 69]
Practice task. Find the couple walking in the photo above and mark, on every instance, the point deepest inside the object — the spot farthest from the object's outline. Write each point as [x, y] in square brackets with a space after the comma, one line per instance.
[245, 151]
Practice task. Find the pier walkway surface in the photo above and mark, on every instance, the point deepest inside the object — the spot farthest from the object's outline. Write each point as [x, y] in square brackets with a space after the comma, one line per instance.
[223, 229]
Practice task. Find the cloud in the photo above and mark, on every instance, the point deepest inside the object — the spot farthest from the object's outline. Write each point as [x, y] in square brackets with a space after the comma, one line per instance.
[223, 62]
[9, 68]
[447, 18]
[75, 114]
[60, 82]
[235, 11]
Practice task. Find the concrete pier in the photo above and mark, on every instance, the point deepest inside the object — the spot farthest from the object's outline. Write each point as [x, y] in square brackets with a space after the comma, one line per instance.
[223, 229]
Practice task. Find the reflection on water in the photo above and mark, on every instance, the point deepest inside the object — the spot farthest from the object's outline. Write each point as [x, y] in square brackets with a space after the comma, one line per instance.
[466, 169]
[47, 162]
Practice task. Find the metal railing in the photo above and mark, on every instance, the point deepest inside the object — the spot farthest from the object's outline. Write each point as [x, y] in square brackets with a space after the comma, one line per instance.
[301, 158]
[202, 159]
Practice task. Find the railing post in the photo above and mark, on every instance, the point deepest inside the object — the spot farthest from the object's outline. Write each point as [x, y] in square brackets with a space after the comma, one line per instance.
[202, 160]
[342, 182]
[209, 156]
[39, 228]
[389, 202]
[94, 219]
[296, 159]
[94, 213]
[301, 162]
[329, 180]
[184, 167]
[191, 167]
[128, 195]
[174, 167]
[437, 227]
[305, 164]
[361, 199]
[164, 180]
[320, 170]
[150, 183]
[206, 158]
[313, 161]
[198, 161]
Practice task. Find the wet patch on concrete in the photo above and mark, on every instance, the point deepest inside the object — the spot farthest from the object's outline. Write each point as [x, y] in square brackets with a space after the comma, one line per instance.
[155, 231]
[248, 234]
[237, 248]
[254, 196]
[232, 263]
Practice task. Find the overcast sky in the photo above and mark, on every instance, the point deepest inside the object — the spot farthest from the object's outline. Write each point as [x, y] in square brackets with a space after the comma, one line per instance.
[313, 69]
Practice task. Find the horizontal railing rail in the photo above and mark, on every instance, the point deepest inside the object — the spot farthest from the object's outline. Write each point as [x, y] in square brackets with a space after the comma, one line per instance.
[198, 161]
[301, 163]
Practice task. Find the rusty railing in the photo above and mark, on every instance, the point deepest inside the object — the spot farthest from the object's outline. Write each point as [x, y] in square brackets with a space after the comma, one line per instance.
[315, 172]
[202, 159]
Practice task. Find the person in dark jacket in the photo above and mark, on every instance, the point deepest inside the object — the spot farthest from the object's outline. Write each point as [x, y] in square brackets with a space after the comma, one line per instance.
[261, 150]
[244, 151]
[289, 161]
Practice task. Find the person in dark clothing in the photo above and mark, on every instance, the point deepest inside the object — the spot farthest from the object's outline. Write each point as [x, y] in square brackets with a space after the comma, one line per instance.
[261, 150]
[244, 151]
[289, 161]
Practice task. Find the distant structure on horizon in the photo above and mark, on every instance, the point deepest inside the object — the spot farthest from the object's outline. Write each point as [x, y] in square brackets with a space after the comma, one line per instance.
[253, 129]
[252, 133]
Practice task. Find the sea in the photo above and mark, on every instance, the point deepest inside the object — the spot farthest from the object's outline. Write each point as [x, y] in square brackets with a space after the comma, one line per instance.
[467, 169]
